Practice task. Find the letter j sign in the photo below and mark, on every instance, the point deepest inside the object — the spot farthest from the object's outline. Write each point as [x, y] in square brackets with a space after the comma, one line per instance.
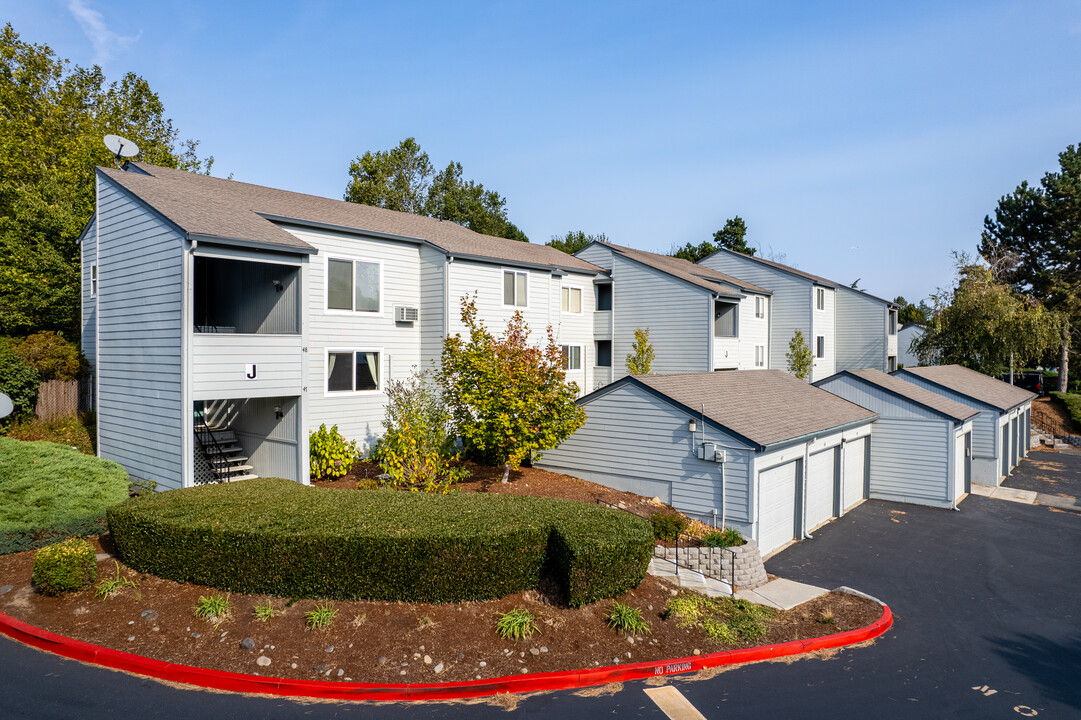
[249, 371]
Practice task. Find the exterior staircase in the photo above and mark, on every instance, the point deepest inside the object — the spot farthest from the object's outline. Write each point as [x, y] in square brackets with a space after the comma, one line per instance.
[223, 454]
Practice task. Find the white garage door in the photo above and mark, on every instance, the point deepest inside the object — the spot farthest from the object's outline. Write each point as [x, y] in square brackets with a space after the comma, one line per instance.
[855, 471]
[821, 487]
[776, 506]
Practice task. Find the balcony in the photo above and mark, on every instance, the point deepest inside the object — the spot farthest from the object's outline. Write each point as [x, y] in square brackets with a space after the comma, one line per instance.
[725, 353]
[245, 365]
[602, 324]
[891, 346]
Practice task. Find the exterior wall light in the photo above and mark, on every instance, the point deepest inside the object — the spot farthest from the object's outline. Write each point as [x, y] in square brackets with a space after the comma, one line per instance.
[692, 425]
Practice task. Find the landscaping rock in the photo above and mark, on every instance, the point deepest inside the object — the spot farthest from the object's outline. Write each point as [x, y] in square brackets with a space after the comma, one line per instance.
[697, 651]
[438, 668]
[247, 644]
[330, 648]
[131, 638]
[534, 651]
[341, 672]
[321, 667]
[382, 659]
[482, 664]
[6, 589]
[149, 615]
[263, 661]
[195, 635]
[427, 659]
[544, 649]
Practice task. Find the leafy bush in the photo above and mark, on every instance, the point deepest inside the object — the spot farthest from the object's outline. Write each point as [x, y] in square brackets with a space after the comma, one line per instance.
[728, 537]
[417, 448]
[626, 620]
[516, 624]
[273, 536]
[18, 381]
[331, 455]
[667, 526]
[75, 431]
[53, 356]
[67, 566]
[49, 492]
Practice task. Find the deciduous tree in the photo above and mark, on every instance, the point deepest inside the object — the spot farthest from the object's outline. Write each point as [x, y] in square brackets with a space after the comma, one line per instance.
[509, 398]
[640, 359]
[800, 359]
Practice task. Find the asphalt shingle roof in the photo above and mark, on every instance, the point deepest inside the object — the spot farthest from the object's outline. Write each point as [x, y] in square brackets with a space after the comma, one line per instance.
[915, 393]
[699, 275]
[764, 406]
[784, 268]
[974, 384]
[204, 205]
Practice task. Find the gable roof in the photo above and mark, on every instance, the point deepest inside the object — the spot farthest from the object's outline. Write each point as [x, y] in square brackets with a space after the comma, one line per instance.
[970, 383]
[778, 266]
[764, 407]
[884, 301]
[914, 393]
[697, 275]
[241, 213]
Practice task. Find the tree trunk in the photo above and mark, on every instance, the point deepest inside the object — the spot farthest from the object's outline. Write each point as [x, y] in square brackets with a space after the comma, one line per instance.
[506, 473]
[1064, 359]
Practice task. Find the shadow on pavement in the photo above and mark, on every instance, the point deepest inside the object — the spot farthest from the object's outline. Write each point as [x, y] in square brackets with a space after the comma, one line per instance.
[1051, 664]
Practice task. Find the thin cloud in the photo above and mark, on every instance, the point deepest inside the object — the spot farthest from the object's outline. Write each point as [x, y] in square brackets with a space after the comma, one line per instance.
[104, 40]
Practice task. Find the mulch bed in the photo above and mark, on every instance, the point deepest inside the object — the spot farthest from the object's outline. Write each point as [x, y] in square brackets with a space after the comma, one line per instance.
[394, 642]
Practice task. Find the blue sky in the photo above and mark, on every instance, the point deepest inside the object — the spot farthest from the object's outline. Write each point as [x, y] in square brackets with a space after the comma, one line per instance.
[862, 140]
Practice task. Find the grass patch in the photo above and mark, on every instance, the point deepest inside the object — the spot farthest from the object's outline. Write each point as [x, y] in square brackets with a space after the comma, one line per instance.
[516, 624]
[321, 617]
[731, 621]
[275, 537]
[264, 612]
[213, 608]
[1072, 403]
[74, 431]
[626, 620]
[110, 586]
[49, 492]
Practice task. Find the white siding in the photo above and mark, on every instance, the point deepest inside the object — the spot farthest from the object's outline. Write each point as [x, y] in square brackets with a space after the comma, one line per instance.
[910, 461]
[140, 397]
[634, 441]
[790, 310]
[822, 324]
[679, 317]
[577, 328]
[433, 307]
[359, 415]
[861, 331]
[219, 365]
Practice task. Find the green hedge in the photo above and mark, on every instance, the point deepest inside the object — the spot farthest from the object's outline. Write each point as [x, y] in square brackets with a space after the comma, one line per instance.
[49, 492]
[279, 537]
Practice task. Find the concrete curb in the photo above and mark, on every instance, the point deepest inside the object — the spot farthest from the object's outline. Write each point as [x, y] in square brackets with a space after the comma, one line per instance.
[563, 680]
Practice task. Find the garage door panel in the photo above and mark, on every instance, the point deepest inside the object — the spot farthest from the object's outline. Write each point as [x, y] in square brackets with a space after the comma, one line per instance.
[821, 487]
[855, 468]
[777, 506]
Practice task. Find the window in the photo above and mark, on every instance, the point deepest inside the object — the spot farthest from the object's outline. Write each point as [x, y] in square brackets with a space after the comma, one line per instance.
[724, 319]
[604, 296]
[604, 353]
[893, 363]
[759, 307]
[820, 346]
[515, 288]
[820, 298]
[354, 285]
[572, 357]
[759, 355]
[93, 279]
[353, 370]
[893, 322]
[571, 300]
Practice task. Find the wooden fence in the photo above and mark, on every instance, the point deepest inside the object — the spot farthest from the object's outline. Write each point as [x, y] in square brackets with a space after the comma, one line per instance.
[58, 398]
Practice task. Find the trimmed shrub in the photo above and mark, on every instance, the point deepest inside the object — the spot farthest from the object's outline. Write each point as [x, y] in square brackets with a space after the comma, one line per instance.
[49, 492]
[728, 537]
[668, 525]
[65, 567]
[52, 355]
[18, 381]
[273, 536]
[330, 454]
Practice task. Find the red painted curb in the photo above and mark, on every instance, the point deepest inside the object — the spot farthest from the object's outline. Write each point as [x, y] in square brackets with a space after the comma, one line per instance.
[563, 680]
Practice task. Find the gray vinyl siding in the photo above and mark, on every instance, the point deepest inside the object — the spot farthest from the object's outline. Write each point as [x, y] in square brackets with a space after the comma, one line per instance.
[861, 331]
[910, 461]
[246, 299]
[433, 305]
[679, 318]
[984, 426]
[876, 399]
[634, 441]
[596, 254]
[88, 249]
[270, 444]
[139, 367]
[219, 360]
[790, 304]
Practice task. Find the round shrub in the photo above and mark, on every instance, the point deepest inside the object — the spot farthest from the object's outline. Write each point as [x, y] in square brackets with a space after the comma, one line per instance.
[667, 526]
[65, 567]
[273, 536]
[728, 537]
[330, 454]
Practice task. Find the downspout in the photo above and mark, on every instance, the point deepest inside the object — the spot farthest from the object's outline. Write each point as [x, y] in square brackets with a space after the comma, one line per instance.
[724, 500]
[951, 488]
[446, 296]
[710, 342]
[803, 509]
[841, 485]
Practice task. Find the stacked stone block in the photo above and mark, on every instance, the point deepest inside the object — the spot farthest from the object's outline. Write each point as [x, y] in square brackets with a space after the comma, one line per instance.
[739, 566]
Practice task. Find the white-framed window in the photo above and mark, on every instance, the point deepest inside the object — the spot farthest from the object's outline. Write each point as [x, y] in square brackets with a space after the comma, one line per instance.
[93, 280]
[725, 319]
[820, 346]
[820, 298]
[759, 307]
[572, 357]
[354, 285]
[759, 355]
[515, 288]
[350, 371]
[571, 300]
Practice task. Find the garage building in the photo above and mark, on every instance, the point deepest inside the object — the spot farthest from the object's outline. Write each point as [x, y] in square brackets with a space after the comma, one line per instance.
[1000, 433]
[758, 450]
[921, 446]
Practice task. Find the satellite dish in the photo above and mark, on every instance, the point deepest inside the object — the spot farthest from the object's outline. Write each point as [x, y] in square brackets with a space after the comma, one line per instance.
[6, 406]
[121, 147]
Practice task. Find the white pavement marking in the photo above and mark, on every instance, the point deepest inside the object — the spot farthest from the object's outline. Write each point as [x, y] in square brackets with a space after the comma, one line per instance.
[673, 704]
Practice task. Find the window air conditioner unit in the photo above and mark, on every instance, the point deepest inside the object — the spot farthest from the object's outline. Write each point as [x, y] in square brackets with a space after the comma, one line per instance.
[405, 314]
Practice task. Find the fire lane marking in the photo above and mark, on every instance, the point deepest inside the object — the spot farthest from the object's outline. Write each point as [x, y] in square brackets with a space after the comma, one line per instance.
[673, 704]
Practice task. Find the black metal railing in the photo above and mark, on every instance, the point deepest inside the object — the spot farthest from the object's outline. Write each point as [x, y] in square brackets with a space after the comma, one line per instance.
[205, 438]
[688, 542]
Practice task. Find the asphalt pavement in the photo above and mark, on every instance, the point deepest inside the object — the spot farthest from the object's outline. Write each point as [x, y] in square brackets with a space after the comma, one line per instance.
[987, 626]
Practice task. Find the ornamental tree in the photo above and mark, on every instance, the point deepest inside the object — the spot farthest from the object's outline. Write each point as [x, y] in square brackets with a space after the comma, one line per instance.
[800, 359]
[509, 399]
[640, 359]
